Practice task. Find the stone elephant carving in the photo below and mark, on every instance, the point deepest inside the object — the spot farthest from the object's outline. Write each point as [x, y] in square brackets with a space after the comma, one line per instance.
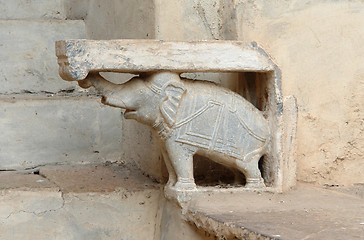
[192, 117]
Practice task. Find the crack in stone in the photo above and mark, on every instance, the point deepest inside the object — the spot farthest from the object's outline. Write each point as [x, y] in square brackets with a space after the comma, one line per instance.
[201, 13]
[62, 93]
[39, 213]
[59, 187]
[26, 170]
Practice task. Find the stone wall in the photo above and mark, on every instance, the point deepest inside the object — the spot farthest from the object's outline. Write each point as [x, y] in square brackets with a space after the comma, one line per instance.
[45, 120]
[35, 129]
[316, 44]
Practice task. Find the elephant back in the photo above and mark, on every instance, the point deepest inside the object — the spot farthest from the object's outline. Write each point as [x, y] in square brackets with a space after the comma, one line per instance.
[218, 119]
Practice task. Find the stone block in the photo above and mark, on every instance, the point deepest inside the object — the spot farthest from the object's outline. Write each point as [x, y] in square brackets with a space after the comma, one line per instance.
[196, 20]
[77, 57]
[32, 9]
[119, 215]
[27, 54]
[12, 180]
[91, 210]
[107, 177]
[318, 47]
[39, 131]
[41, 200]
[309, 212]
[136, 18]
[289, 141]
[141, 146]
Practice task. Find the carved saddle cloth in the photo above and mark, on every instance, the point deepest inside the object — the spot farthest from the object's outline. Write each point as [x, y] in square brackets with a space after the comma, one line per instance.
[217, 125]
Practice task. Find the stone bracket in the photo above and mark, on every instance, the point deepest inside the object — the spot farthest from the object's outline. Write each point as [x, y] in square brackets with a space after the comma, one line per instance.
[77, 58]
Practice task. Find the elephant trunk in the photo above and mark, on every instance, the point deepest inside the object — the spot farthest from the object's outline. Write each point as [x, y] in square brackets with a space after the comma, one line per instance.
[97, 81]
[108, 90]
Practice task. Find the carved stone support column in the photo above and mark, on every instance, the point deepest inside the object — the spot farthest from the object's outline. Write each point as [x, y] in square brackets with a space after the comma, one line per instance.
[195, 117]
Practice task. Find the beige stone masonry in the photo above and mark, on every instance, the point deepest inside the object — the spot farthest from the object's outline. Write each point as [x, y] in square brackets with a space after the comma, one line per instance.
[27, 60]
[79, 202]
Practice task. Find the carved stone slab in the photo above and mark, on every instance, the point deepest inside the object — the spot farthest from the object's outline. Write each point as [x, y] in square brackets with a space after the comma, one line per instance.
[79, 57]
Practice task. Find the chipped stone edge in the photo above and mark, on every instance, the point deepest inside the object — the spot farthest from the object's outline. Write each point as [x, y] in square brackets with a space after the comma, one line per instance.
[223, 230]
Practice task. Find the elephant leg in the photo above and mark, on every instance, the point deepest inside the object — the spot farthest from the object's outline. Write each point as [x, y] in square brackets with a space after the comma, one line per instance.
[172, 178]
[251, 171]
[182, 162]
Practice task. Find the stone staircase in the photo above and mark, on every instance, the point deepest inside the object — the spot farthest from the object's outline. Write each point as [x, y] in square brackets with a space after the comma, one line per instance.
[56, 181]
[51, 132]
[307, 212]
[116, 201]
[39, 120]
[79, 202]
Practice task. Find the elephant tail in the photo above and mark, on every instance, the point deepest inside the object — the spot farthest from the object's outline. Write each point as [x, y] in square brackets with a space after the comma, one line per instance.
[259, 151]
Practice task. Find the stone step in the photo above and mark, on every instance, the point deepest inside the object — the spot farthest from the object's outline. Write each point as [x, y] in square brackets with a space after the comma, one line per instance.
[46, 129]
[28, 54]
[79, 202]
[309, 212]
[37, 131]
[36, 9]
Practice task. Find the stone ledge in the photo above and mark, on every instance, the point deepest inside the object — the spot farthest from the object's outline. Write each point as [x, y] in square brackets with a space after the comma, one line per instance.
[305, 213]
[14, 180]
[112, 201]
[79, 202]
[39, 131]
[76, 58]
[97, 178]
[80, 178]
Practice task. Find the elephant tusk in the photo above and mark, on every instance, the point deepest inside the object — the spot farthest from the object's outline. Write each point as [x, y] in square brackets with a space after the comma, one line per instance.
[114, 102]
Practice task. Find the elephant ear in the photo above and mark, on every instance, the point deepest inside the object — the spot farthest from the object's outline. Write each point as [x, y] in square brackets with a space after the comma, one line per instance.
[170, 104]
